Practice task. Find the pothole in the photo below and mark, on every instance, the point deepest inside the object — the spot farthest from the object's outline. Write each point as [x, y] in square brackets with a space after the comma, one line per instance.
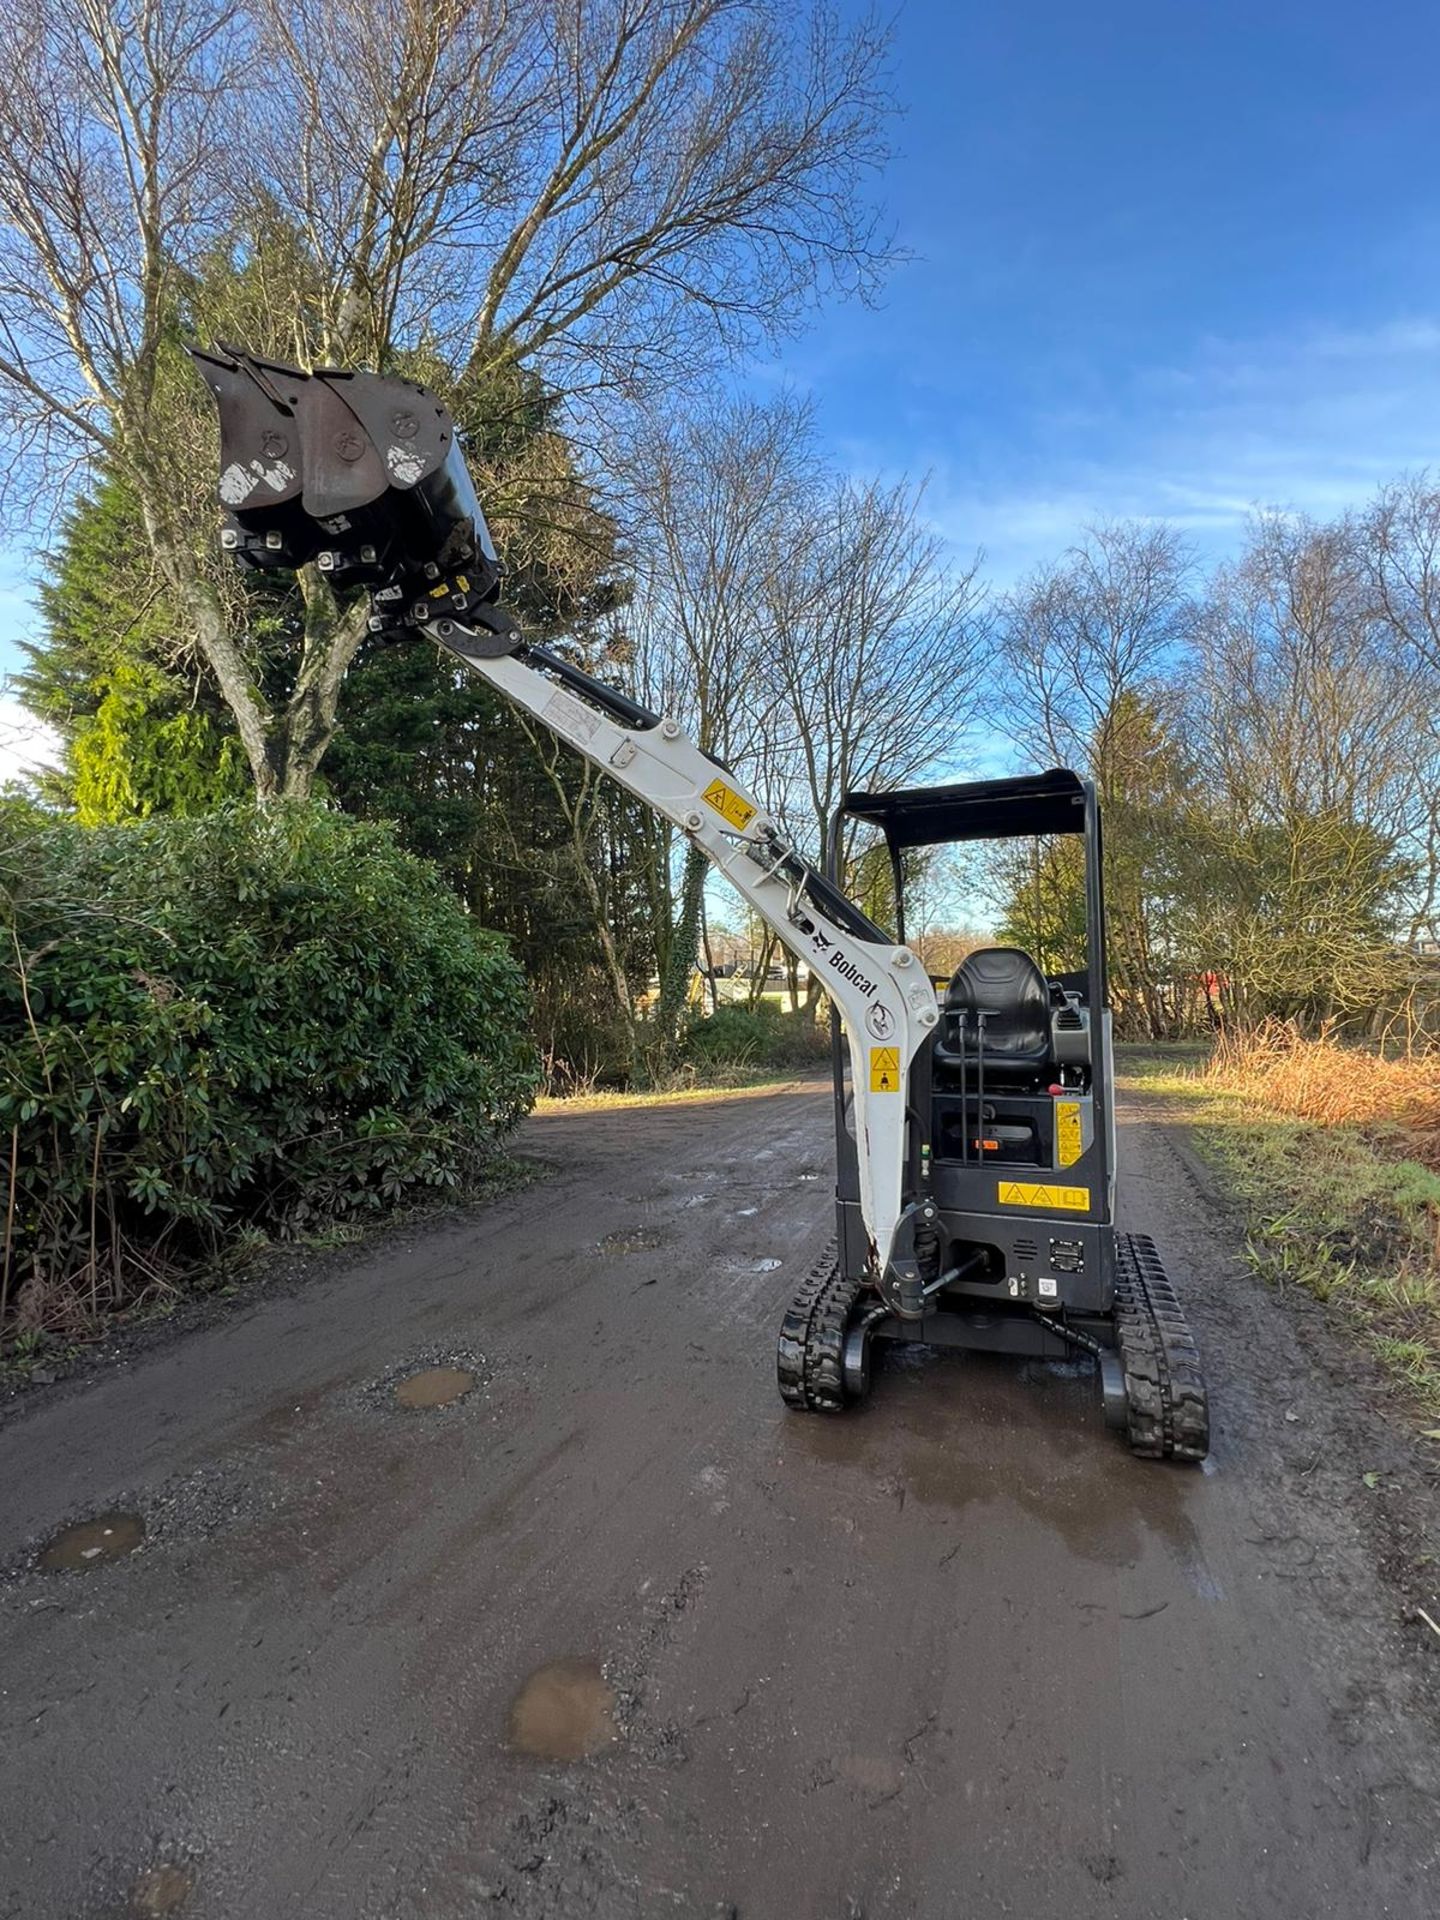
[90, 1543]
[425, 1379]
[161, 1890]
[632, 1240]
[434, 1387]
[564, 1711]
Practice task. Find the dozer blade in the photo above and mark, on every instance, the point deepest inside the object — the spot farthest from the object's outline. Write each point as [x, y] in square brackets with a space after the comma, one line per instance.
[358, 472]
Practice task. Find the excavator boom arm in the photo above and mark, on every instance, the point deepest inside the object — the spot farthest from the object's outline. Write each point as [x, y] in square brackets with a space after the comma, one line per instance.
[363, 476]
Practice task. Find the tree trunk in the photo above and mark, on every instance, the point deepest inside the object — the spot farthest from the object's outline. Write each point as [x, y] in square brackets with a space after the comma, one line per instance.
[710, 980]
[332, 639]
[283, 749]
[614, 970]
[580, 810]
[760, 976]
[254, 722]
[684, 944]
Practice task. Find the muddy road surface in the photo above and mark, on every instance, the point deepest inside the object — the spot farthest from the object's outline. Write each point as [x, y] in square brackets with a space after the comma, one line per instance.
[584, 1623]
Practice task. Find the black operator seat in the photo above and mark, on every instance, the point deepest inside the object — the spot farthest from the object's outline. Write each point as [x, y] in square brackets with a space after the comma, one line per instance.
[1009, 989]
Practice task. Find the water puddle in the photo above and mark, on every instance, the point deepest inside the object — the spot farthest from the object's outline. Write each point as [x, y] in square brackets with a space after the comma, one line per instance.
[110, 1536]
[565, 1710]
[745, 1212]
[632, 1240]
[435, 1387]
[160, 1890]
[766, 1265]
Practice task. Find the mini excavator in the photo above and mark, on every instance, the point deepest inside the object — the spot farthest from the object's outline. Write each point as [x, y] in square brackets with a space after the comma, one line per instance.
[975, 1126]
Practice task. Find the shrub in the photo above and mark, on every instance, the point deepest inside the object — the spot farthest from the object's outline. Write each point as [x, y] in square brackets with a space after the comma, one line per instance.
[585, 1040]
[247, 1020]
[753, 1037]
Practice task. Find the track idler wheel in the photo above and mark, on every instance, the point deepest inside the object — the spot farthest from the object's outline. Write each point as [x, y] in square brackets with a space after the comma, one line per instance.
[859, 1345]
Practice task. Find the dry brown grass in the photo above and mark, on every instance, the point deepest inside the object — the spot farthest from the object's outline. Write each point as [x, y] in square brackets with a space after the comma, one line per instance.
[1334, 1085]
[1334, 1154]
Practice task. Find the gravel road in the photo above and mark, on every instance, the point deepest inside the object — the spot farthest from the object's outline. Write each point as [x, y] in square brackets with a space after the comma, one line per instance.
[587, 1624]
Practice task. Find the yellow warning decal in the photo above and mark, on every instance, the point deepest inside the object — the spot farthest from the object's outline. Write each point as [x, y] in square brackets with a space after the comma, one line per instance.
[1020, 1193]
[884, 1070]
[729, 805]
[1069, 1142]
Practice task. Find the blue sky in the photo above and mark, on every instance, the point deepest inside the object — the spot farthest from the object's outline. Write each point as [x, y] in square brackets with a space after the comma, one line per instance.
[1169, 259]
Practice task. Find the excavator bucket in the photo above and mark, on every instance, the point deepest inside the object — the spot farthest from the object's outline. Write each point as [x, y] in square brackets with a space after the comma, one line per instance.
[357, 472]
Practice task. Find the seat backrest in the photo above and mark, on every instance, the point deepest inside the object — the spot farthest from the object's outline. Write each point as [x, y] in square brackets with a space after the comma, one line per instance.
[1007, 986]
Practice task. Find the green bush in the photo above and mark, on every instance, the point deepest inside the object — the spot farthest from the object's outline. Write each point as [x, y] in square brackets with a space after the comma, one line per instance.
[754, 1037]
[250, 1020]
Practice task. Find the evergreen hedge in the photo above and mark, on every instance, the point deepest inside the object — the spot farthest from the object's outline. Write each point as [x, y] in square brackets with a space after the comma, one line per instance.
[245, 1020]
[752, 1038]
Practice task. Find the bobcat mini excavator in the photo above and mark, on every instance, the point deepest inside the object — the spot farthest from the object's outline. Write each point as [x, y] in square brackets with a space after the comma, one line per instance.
[975, 1132]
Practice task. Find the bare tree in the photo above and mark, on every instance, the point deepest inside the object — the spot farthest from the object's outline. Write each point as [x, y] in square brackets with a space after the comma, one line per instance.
[389, 135]
[1399, 540]
[717, 501]
[877, 672]
[602, 190]
[1399, 544]
[109, 195]
[1304, 704]
[1088, 678]
[1086, 638]
[696, 170]
[875, 677]
[1301, 723]
[808, 629]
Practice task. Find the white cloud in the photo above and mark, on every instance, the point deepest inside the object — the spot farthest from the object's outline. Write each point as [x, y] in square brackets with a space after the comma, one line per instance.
[27, 745]
[1399, 338]
[1310, 422]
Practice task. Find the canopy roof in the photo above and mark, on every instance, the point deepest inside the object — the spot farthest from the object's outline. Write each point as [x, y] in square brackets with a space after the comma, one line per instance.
[1052, 802]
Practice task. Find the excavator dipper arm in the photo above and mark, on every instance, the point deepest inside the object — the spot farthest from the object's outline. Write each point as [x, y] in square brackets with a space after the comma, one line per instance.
[886, 1001]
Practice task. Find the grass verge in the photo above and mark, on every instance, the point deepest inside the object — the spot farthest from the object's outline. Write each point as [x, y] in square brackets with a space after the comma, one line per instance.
[681, 1089]
[1342, 1210]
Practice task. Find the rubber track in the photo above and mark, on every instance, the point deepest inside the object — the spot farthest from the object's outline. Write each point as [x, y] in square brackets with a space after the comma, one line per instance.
[810, 1354]
[1169, 1416]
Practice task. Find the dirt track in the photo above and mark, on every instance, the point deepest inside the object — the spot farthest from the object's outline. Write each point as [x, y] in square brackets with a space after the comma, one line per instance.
[953, 1656]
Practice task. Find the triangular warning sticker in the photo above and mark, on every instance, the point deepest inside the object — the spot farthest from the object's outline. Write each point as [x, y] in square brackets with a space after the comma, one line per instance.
[1024, 1193]
[884, 1070]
